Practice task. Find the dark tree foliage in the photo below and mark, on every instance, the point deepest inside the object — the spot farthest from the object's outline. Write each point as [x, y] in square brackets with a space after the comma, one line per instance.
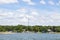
[36, 28]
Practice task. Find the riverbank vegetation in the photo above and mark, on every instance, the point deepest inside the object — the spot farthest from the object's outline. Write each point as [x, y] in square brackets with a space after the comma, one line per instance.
[23, 28]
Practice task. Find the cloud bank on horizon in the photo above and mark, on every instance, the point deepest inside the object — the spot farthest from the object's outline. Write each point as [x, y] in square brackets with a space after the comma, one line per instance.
[39, 12]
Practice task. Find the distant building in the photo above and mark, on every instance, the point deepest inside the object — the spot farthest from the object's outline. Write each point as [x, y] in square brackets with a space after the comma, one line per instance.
[49, 30]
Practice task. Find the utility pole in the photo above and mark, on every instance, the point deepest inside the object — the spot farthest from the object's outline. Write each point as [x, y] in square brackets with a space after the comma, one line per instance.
[27, 20]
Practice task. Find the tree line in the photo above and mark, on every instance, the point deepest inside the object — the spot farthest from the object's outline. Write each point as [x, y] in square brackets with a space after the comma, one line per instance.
[36, 28]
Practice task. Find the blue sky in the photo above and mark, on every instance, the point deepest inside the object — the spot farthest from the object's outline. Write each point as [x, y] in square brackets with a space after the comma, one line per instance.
[39, 12]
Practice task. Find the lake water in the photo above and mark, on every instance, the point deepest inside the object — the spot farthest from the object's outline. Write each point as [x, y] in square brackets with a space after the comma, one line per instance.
[30, 36]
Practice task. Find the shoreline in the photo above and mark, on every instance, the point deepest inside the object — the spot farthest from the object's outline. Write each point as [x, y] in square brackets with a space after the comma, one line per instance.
[28, 32]
[6, 32]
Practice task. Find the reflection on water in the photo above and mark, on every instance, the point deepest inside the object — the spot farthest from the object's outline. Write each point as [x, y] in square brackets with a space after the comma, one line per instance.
[30, 36]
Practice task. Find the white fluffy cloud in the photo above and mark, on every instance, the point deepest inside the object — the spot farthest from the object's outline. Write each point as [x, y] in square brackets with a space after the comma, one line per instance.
[42, 2]
[35, 18]
[22, 10]
[51, 3]
[8, 1]
[13, 17]
[29, 2]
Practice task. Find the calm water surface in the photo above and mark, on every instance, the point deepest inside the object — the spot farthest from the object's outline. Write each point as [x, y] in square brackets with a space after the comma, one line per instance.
[30, 36]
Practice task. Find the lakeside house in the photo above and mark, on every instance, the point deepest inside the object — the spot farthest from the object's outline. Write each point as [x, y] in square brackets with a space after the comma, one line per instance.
[49, 30]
